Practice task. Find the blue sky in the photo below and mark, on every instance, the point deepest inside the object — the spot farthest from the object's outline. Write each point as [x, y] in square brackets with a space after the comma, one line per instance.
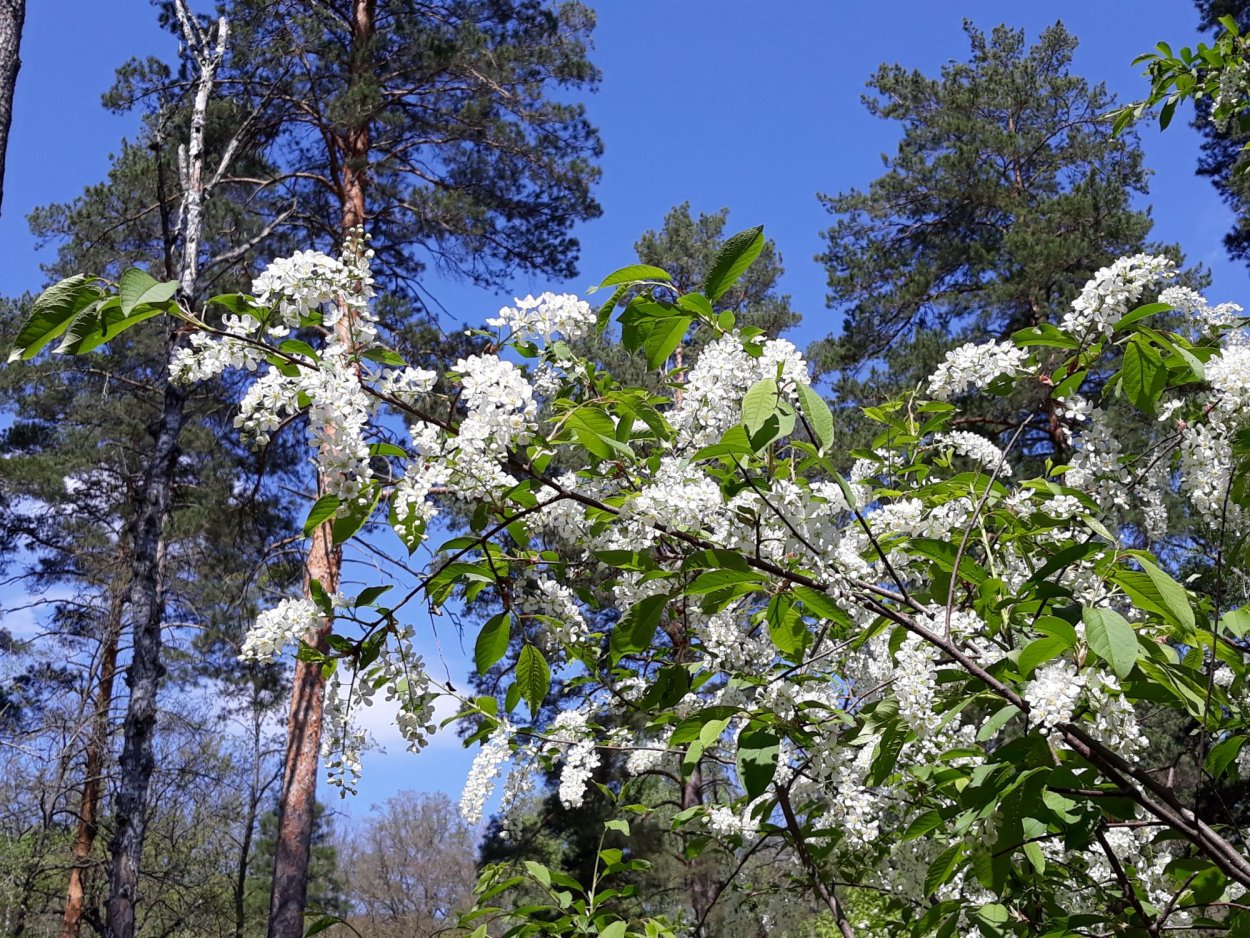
[720, 102]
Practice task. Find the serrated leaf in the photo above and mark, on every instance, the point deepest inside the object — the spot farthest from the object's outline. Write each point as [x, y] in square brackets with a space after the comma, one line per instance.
[359, 512]
[759, 403]
[758, 750]
[634, 273]
[138, 288]
[370, 595]
[990, 728]
[1143, 374]
[100, 323]
[931, 820]
[942, 869]
[1038, 652]
[664, 338]
[817, 415]
[634, 631]
[492, 642]
[1222, 755]
[1111, 638]
[1172, 595]
[323, 510]
[533, 677]
[52, 313]
[736, 255]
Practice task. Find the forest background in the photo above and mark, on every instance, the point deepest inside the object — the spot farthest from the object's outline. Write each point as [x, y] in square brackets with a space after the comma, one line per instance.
[712, 103]
[757, 113]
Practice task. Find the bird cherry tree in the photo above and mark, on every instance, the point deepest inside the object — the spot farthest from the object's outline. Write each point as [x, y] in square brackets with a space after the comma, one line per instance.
[919, 667]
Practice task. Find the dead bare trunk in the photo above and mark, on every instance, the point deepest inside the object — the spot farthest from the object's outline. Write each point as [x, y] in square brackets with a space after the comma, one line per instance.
[12, 17]
[93, 782]
[147, 601]
[296, 806]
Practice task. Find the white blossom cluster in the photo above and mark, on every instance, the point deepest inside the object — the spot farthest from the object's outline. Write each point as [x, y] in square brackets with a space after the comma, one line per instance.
[711, 398]
[977, 448]
[342, 739]
[279, 627]
[1053, 693]
[818, 654]
[486, 768]
[974, 366]
[1112, 291]
[1195, 306]
[500, 402]
[559, 605]
[545, 317]
[571, 741]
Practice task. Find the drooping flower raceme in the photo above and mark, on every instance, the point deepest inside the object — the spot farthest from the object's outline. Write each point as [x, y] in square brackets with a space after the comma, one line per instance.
[975, 366]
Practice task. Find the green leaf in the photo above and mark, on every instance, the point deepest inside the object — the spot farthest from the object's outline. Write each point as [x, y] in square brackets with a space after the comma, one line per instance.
[634, 273]
[1142, 312]
[358, 514]
[1039, 651]
[492, 641]
[664, 339]
[370, 595]
[1143, 374]
[1111, 638]
[323, 510]
[759, 403]
[596, 432]
[617, 824]
[995, 723]
[614, 930]
[1223, 753]
[533, 676]
[735, 256]
[100, 323]
[931, 820]
[1172, 595]
[52, 313]
[138, 288]
[942, 869]
[634, 631]
[786, 627]
[757, 759]
[298, 347]
[818, 416]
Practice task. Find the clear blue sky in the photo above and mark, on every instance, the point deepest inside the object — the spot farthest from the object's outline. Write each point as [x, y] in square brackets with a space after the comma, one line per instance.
[720, 102]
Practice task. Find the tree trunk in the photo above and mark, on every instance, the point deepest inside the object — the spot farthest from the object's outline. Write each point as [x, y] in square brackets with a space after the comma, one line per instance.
[296, 806]
[147, 604]
[697, 879]
[12, 16]
[147, 601]
[93, 783]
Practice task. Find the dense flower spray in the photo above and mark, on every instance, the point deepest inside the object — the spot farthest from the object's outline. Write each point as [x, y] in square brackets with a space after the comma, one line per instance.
[918, 665]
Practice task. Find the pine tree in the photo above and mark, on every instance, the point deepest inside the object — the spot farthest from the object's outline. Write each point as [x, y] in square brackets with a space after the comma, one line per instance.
[1223, 158]
[1007, 191]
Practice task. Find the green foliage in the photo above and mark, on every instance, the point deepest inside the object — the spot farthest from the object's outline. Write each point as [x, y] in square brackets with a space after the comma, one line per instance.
[1007, 191]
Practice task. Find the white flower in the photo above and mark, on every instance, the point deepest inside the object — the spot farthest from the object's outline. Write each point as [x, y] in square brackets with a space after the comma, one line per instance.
[977, 448]
[278, 627]
[1053, 693]
[486, 767]
[975, 366]
[546, 316]
[1110, 293]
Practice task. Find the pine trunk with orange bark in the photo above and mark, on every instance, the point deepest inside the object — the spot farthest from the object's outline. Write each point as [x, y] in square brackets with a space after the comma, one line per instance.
[297, 803]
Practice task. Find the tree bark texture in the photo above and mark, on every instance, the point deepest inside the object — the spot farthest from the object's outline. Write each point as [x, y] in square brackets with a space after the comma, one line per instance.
[147, 601]
[88, 825]
[289, 893]
[12, 17]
